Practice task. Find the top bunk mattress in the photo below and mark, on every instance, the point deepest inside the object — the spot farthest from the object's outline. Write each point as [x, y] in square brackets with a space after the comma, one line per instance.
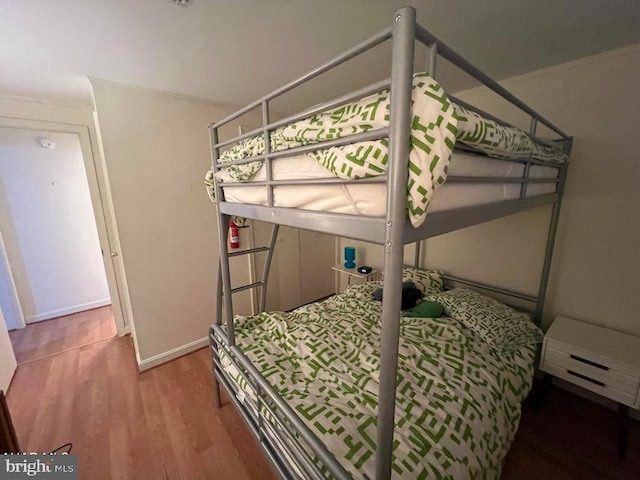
[436, 125]
[370, 199]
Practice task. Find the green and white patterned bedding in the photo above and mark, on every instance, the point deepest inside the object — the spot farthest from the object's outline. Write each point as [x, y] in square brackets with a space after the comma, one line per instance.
[436, 125]
[433, 130]
[498, 141]
[458, 401]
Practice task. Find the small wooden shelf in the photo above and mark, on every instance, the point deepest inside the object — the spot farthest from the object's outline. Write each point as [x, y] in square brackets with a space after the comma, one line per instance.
[352, 272]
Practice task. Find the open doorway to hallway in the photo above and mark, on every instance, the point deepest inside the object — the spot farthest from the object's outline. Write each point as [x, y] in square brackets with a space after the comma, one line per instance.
[50, 249]
[59, 335]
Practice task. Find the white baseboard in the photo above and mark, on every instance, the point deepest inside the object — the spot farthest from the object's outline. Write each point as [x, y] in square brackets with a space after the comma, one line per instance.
[68, 311]
[165, 357]
[125, 331]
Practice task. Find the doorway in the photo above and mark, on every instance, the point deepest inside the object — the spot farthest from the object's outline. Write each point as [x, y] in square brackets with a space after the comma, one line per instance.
[51, 260]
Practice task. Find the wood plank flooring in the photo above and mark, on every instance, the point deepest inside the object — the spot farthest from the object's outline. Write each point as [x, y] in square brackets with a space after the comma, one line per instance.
[571, 438]
[162, 424]
[41, 339]
[125, 425]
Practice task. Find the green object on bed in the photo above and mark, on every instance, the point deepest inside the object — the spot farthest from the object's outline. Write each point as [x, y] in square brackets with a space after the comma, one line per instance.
[457, 401]
[425, 309]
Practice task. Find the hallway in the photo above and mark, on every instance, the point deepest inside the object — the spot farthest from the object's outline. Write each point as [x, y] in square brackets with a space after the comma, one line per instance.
[51, 337]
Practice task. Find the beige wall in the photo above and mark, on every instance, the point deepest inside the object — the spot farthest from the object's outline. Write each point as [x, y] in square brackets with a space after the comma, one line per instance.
[596, 269]
[156, 149]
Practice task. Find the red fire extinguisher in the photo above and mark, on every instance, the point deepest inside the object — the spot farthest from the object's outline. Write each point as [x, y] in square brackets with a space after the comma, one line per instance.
[234, 239]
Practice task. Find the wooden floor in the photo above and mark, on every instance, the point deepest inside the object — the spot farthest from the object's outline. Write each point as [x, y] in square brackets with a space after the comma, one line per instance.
[41, 339]
[571, 438]
[162, 424]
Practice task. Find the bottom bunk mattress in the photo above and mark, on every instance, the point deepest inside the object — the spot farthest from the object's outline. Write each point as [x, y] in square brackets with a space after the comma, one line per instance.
[370, 199]
[458, 400]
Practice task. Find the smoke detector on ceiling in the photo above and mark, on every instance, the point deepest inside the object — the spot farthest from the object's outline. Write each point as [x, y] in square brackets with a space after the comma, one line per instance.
[182, 3]
[47, 143]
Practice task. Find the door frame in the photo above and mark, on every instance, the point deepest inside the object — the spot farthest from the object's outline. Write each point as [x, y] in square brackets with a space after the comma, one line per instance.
[5, 271]
[102, 210]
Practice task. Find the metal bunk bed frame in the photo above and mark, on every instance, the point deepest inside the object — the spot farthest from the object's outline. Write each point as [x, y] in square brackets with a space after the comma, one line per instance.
[392, 231]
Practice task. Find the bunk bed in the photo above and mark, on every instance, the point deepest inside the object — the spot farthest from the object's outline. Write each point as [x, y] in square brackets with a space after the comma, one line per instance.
[351, 387]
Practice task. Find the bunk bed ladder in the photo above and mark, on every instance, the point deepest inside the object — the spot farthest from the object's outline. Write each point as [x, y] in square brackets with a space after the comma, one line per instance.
[224, 292]
[262, 284]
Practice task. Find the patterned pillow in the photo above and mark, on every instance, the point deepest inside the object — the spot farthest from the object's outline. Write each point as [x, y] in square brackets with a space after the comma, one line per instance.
[363, 291]
[429, 281]
[503, 328]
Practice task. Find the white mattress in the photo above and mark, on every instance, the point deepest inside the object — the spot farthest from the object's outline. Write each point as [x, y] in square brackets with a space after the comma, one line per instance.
[370, 199]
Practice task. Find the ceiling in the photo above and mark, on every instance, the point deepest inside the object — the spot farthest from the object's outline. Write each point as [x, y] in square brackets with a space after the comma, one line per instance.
[234, 51]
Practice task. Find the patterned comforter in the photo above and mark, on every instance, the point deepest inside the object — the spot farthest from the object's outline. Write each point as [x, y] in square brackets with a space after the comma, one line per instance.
[436, 124]
[458, 402]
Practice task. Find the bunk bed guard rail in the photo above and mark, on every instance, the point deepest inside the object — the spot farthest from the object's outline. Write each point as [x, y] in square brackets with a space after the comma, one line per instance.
[403, 34]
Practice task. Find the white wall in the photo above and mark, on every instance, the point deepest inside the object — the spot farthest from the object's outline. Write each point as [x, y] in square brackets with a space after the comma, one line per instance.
[156, 149]
[596, 270]
[48, 226]
[7, 358]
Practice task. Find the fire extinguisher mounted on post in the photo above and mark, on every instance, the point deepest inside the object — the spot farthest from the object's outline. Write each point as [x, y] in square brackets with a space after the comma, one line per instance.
[234, 238]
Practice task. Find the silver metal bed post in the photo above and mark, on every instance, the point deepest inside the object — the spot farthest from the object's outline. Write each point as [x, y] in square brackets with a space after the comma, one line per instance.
[267, 150]
[223, 252]
[433, 57]
[527, 165]
[401, 80]
[217, 399]
[551, 240]
[275, 227]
